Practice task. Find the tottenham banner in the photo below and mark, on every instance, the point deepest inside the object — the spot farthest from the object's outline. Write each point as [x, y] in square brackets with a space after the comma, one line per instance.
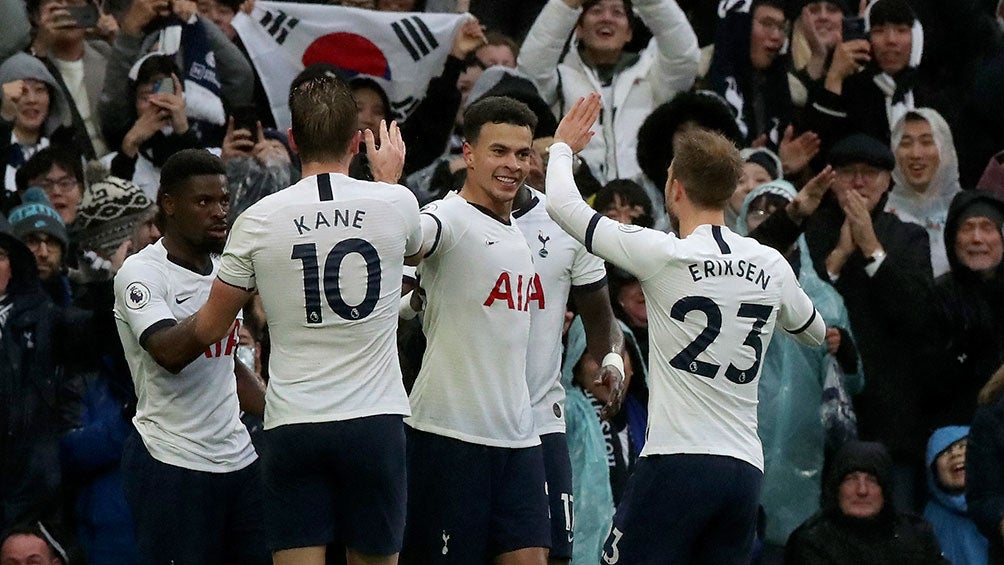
[401, 51]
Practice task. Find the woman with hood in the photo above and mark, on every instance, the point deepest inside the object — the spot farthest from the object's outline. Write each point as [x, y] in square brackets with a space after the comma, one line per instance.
[858, 524]
[960, 541]
[792, 383]
[33, 114]
[926, 177]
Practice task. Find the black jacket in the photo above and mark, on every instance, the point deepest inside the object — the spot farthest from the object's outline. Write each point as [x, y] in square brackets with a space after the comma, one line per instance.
[971, 317]
[985, 475]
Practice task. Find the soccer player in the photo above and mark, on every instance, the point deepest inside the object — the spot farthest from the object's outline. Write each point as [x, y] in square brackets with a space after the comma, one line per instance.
[191, 476]
[326, 256]
[713, 301]
[563, 266]
[475, 466]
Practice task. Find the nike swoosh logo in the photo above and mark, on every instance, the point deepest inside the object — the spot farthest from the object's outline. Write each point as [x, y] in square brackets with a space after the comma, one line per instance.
[489, 242]
[180, 300]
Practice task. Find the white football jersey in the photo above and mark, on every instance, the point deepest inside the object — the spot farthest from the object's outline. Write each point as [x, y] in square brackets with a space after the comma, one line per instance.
[478, 279]
[713, 299]
[560, 263]
[326, 255]
[191, 419]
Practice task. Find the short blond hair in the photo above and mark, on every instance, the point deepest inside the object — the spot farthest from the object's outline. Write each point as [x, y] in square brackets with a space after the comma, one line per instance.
[708, 166]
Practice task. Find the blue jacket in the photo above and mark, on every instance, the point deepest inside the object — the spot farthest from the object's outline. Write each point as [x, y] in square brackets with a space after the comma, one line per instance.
[960, 541]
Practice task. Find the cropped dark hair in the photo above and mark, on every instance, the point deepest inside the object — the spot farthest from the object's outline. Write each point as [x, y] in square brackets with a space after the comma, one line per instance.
[891, 12]
[708, 166]
[324, 115]
[156, 65]
[40, 163]
[184, 165]
[496, 110]
[631, 193]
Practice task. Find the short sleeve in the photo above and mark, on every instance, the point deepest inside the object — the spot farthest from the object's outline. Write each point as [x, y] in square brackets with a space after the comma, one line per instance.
[408, 207]
[141, 300]
[432, 226]
[797, 314]
[237, 262]
[587, 269]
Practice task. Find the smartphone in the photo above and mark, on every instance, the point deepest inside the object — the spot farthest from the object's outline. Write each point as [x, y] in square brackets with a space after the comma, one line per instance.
[84, 16]
[164, 86]
[245, 117]
[854, 28]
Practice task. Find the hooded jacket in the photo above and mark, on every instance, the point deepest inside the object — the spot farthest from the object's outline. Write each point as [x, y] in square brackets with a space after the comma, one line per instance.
[947, 513]
[832, 538]
[760, 100]
[971, 317]
[666, 66]
[928, 209]
[790, 393]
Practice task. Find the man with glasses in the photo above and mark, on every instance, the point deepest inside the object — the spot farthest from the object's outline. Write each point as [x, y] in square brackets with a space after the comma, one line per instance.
[58, 172]
[882, 268]
[41, 229]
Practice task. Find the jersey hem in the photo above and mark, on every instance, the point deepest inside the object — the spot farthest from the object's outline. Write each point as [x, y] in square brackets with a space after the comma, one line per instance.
[339, 417]
[490, 442]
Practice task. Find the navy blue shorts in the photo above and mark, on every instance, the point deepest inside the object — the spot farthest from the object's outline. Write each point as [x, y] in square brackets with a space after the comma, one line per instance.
[186, 516]
[686, 508]
[341, 482]
[558, 470]
[468, 503]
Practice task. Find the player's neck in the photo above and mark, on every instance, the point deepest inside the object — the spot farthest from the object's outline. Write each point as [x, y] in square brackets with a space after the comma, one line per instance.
[186, 254]
[319, 168]
[481, 198]
[698, 217]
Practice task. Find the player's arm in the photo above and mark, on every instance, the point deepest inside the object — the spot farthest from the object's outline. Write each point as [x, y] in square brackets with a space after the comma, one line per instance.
[797, 315]
[637, 250]
[604, 340]
[176, 346]
[250, 390]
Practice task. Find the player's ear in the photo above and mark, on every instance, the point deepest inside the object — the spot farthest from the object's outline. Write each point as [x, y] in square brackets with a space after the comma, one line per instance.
[468, 153]
[357, 138]
[292, 141]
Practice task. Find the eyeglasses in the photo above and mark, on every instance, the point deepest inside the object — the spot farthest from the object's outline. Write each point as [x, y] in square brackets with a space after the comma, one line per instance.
[62, 184]
[866, 172]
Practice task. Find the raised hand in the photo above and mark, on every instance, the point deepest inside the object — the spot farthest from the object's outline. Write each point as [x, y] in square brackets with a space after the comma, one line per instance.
[796, 152]
[468, 38]
[236, 142]
[574, 128]
[175, 104]
[807, 200]
[12, 92]
[859, 220]
[387, 161]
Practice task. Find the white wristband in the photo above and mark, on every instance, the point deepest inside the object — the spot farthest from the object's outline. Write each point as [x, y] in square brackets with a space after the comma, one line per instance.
[615, 359]
[404, 309]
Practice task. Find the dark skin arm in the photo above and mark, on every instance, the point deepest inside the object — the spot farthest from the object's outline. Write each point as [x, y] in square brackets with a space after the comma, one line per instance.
[175, 347]
[603, 336]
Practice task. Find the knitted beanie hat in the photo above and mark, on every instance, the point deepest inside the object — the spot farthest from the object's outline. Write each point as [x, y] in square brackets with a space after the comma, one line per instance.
[108, 212]
[36, 214]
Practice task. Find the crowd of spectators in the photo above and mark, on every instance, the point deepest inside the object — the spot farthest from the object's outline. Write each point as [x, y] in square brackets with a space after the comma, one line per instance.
[874, 162]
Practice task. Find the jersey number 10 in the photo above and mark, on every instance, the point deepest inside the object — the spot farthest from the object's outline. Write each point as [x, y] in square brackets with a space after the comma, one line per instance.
[307, 254]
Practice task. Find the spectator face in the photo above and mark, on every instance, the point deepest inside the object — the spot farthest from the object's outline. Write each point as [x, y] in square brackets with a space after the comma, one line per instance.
[951, 466]
[826, 19]
[860, 495]
[198, 212]
[769, 31]
[32, 107]
[24, 549]
[143, 94]
[869, 181]
[623, 210]
[632, 300]
[4, 270]
[222, 15]
[979, 245]
[63, 190]
[498, 162]
[145, 233]
[491, 55]
[48, 252]
[604, 29]
[371, 110]
[753, 176]
[464, 84]
[891, 46]
[66, 35]
[917, 155]
[760, 209]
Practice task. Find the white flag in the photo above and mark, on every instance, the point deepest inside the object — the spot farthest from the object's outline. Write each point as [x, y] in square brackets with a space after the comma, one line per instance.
[401, 51]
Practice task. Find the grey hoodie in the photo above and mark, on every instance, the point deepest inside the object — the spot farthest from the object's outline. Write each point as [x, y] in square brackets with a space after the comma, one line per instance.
[23, 66]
